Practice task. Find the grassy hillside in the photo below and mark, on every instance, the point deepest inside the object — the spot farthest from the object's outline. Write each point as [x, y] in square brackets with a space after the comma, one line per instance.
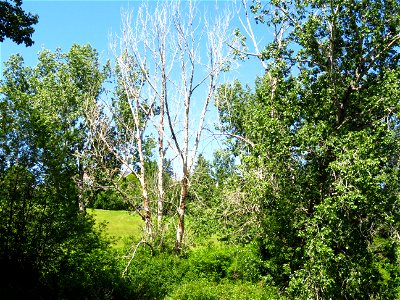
[121, 225]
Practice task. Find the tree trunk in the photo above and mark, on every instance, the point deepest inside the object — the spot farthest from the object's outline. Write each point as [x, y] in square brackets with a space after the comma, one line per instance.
[160, 204]
[145, 194]
[81, 203]
[181, 213]
[147, 215]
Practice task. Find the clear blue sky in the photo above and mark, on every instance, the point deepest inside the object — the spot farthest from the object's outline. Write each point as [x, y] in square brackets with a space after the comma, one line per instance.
[63, 23]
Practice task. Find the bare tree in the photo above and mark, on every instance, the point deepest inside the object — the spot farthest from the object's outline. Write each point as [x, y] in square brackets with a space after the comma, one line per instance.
[117, 127]
[200, 69]
[169, 58]
[145, 47]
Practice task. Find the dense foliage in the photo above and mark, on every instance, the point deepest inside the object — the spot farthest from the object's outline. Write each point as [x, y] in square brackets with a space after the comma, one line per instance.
[323, 163]
[45, 242]
[15, 23]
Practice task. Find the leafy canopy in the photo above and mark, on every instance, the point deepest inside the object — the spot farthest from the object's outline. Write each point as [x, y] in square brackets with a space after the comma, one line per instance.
[15, 23]
[319, 146]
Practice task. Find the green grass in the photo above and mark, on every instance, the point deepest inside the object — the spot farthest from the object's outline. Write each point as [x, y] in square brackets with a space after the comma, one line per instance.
[125, 228]
[121, 225]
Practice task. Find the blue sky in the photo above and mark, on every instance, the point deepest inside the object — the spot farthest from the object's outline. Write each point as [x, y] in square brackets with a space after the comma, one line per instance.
[63, 23]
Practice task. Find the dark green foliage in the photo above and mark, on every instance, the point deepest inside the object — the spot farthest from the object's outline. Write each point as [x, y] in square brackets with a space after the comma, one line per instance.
[225, 262]
[210, 191]
[202, 182]
[202, 289]
[202, 199]
[153, 277]
[319, 148]
[108, 199]
[211, 263]
[247, 264]
[323, 197]
[48, 249]
[16, 24]
[91, 272]
[211, 272]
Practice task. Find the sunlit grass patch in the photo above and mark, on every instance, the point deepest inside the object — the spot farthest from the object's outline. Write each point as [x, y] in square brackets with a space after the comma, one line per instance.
[123, 226]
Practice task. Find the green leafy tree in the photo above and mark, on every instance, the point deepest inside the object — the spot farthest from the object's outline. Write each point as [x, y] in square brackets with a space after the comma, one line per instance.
[211, 195]
[202, 198]
[223, 166]
[41, 231]
[15, 23]
[319, 144]
[202, 181]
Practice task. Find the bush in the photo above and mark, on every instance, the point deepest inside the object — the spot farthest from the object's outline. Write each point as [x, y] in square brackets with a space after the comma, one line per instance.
[93, 275]
[205, 290]
[216, 262]
[108, 200]
[247, 264]
[153, 277]
[216, 271]
[211, 263]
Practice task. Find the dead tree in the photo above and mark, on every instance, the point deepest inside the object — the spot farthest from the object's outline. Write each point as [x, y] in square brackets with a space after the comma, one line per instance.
[169, 58]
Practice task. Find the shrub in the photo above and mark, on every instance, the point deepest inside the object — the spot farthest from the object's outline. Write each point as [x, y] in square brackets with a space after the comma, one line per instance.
[210, 263]
[205, 290]
[247, 264]
[108, 200]
[153, 277]
[216, 271]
